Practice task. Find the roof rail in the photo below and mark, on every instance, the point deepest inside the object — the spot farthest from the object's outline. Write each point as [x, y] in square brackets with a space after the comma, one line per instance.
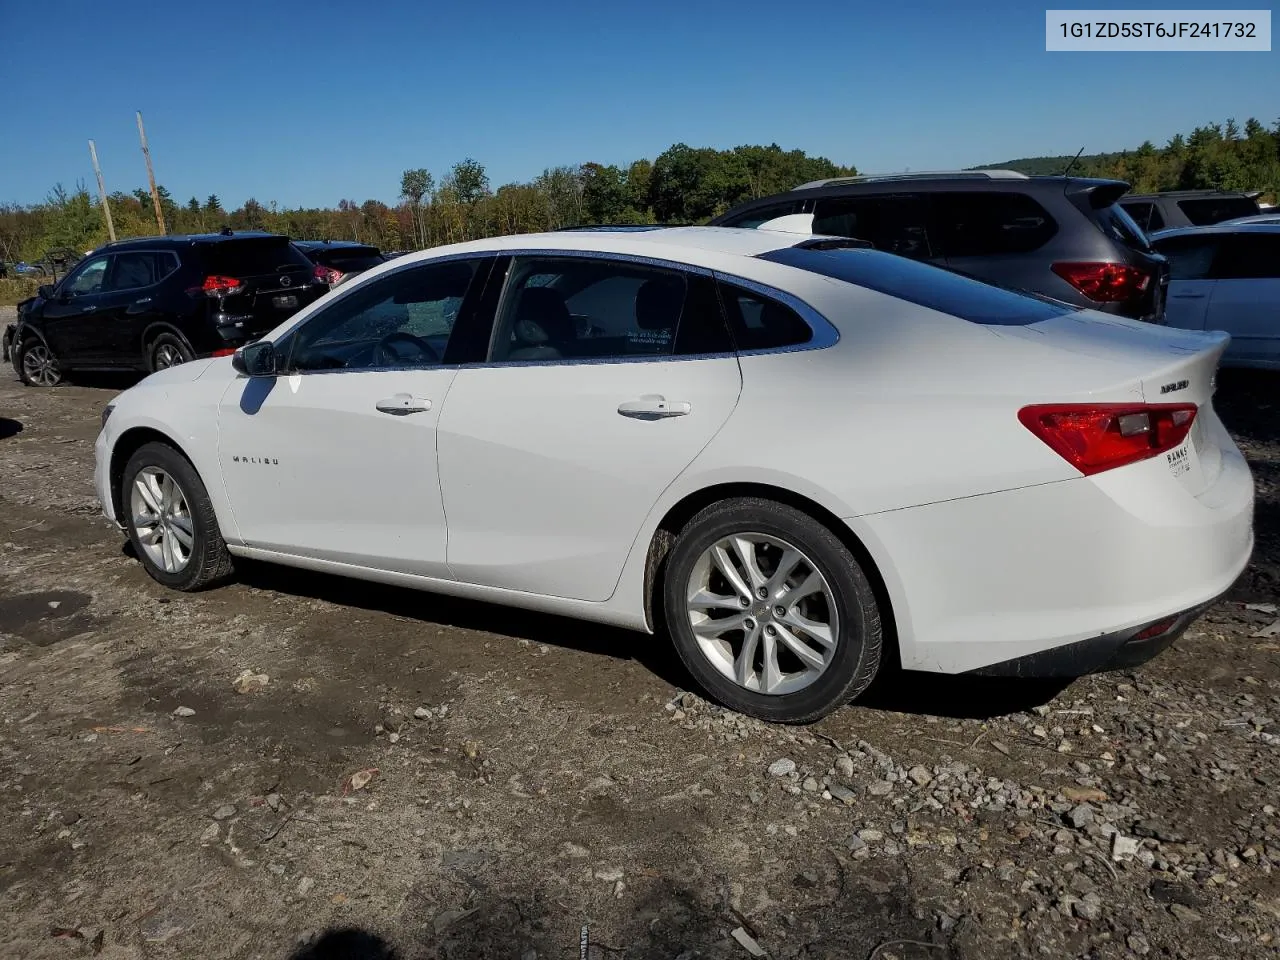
[924, 175]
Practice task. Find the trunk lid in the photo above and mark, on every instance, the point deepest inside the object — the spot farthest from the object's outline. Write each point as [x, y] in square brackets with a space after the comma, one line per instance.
[1157, 364]
[276, 280]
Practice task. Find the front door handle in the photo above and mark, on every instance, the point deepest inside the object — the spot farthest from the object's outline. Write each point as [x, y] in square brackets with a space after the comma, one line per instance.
[90, 307]
[403, 404]
[654, 406]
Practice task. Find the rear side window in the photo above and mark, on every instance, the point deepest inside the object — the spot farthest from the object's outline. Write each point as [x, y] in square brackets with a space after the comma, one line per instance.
[753, 218]
[1145, 214]
[984, 224]
[894, 224]
[930, 287]
[1249, 256]
[141, 268]
[1203, 211]
[1190, 258]
[759, 322]
[252, 257]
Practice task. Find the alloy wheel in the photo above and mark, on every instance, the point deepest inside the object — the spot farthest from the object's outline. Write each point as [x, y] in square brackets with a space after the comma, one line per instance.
[40, 365]
[167, 355]
[762, 613]
[161, 519]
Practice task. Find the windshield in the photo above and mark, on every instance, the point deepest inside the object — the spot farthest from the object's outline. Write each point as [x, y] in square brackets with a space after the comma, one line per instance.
[946, 291]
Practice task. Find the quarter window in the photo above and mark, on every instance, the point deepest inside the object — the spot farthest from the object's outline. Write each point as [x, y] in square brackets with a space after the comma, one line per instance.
[894, 224]
[761, 323]
[403, 319]
[88, 278]
[559, 309]
[983, 224]
[1249, 256]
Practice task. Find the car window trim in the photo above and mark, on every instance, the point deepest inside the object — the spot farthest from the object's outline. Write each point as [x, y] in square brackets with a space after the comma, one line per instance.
[823, 332]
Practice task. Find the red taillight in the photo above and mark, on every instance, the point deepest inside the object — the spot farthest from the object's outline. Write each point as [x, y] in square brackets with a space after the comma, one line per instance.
[229, 351]
[1093, 437]
[216, 286]
[1154, 629]
[1105, 282]
[323, 274]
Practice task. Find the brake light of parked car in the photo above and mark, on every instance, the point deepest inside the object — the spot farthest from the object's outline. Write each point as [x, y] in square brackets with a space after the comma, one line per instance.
[1094, 437]
[1105, 282]
[218, 286]
[227, 352]
[327, 275]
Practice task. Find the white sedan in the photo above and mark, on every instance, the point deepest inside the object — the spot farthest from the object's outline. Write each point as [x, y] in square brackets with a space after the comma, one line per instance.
[800, 461]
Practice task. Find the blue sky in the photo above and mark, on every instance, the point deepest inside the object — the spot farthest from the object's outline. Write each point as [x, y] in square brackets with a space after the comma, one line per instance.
[307, 103]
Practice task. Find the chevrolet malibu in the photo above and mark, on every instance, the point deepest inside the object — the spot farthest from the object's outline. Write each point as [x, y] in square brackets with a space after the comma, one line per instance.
[799, 459]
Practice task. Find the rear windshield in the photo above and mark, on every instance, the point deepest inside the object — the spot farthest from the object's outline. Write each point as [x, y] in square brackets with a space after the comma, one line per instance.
[1116, 223]
[251, 256]
[1207, 210]
[928, 286]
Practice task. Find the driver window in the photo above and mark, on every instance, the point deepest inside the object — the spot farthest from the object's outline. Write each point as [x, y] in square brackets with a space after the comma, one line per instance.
[402, 319]
[88, 279]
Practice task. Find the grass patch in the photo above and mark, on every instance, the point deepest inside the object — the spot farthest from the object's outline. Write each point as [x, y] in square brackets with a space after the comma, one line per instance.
[15, 289]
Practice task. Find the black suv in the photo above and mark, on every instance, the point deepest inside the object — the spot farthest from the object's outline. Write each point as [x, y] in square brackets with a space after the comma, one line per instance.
[1188, 208]
[151, 303]
[336, 260]
[1062, 237]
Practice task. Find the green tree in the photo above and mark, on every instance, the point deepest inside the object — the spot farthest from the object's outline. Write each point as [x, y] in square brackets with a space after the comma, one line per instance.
[469, 181]
[415, 188]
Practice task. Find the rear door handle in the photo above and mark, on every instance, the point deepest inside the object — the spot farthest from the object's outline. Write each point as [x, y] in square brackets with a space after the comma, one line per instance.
[654, 406]
[402, 404]
[142, 300]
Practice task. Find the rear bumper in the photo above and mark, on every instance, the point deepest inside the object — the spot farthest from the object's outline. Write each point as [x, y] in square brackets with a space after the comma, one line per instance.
[1058, 579]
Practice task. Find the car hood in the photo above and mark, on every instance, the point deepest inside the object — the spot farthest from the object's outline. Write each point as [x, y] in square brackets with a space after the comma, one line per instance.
[182, 373]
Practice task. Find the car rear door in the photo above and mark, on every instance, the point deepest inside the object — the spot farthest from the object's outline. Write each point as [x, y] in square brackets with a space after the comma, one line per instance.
[1245, 301]
[605, 379]
[130, 301]
[1191, 258]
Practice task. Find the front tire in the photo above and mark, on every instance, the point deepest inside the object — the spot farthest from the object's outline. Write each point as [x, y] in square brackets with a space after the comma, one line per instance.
[37, 365]
[770, 611]
[170, 520]
[168, 351]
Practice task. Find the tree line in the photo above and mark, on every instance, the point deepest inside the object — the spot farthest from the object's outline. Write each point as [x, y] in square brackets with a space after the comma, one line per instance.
[683, 184]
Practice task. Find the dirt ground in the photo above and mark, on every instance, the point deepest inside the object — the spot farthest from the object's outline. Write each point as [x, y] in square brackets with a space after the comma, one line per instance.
[446, 779]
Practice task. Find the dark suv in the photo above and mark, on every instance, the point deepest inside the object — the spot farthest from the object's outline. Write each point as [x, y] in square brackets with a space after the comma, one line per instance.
[151, 303]
[1062, 237]
[1188, 208]
[336, 260]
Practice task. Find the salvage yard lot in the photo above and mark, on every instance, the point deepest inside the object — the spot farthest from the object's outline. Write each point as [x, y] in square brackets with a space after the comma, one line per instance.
[467, 781]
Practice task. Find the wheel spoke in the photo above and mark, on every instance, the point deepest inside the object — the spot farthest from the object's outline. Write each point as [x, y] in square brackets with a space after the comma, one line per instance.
[144, 521]
[810, 585]
[181, 529]
[151, 536]
[166, 554]
[819, 631]
[706, 600]
[746, 553]
[808, 656]
[787, 564]
[772, 672]
[143, 486]
[725, 565]
[715, 627]
[744, 667]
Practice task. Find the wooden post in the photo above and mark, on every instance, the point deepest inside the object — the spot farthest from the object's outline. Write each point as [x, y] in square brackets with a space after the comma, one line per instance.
[151, 177]
[102, 192]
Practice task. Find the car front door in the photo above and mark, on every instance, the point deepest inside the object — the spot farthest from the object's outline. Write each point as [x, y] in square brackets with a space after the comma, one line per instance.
[75, 332]
[605, 379]
[1191, 283]
[335, 458]
[1246, 297]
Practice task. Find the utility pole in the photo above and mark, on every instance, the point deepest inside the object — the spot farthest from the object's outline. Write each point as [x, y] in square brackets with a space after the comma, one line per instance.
[102, 192]
[155, 196]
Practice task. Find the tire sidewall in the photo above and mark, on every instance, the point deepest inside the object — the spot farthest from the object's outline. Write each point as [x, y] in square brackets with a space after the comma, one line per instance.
[852, 592]
[168, 338]
[193, 491]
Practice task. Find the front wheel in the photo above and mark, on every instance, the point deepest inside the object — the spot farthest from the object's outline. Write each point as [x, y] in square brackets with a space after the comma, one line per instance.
[37, 366]
[770, 611]
[170, 520]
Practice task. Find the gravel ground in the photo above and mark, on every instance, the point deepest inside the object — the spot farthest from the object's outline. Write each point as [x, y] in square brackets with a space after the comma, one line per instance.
[243, 772]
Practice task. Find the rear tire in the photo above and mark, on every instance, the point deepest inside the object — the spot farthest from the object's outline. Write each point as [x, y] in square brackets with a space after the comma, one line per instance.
[37, 365]
[170, 520]
[791, 631]
[168, 350]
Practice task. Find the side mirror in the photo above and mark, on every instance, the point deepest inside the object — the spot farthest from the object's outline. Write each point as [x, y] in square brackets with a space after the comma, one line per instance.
[45, 291]
[256, 359]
